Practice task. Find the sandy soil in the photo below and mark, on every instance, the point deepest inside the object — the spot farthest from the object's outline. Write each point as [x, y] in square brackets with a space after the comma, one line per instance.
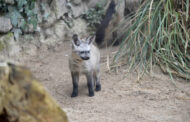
[122, 99]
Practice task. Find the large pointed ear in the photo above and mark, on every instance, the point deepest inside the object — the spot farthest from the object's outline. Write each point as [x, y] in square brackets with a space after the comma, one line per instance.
[90, 39]
[76, 40]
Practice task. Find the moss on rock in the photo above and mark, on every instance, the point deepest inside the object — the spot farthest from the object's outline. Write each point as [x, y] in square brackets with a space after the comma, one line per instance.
[4, 40]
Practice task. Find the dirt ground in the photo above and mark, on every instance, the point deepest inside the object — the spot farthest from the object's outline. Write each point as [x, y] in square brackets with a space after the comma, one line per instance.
[122, 99]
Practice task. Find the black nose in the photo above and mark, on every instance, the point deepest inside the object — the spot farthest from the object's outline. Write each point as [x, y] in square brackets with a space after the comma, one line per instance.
[85, 58]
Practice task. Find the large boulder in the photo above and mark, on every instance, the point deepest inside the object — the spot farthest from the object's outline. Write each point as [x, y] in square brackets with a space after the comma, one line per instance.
[5, 25]
[23, 99]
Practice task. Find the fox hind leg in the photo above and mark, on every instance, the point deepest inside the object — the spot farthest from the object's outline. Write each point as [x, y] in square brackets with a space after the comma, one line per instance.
[90, 84]
[97, 80]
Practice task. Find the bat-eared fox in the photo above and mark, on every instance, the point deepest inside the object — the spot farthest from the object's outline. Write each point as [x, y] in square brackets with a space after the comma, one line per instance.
[85, 60]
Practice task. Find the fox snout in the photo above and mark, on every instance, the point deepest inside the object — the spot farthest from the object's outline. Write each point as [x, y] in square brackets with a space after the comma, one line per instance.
[85, 55]
[85, 58]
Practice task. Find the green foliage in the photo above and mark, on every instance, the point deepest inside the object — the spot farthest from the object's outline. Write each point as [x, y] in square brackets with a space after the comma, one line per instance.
[3, 6]
[22, 14]
[159, 33]
[94, 16]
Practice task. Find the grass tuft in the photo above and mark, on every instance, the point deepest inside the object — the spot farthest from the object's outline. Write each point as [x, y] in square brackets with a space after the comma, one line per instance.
[158, 33]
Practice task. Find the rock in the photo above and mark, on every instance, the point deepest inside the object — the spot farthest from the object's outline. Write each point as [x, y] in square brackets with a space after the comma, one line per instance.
[76, 2]
[2, 43]
[10, 2]
[30, 43]
[46, 15]
[49, 32]
[78, 10]
[68, 20]
[29, 49]
[93, 3]
[23, 99]
[50, 20]
[59, 7]
[60, 30]
[31, 29]
[80, 27]
[39, 10]
[5, 25]
[8, 45]
[50, 38]
[13, 46]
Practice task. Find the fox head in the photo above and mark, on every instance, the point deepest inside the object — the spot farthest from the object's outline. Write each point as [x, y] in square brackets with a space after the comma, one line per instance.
[82, 47]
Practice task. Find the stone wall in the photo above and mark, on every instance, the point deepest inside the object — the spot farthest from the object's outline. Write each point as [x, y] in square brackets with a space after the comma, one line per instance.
[58, 20]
